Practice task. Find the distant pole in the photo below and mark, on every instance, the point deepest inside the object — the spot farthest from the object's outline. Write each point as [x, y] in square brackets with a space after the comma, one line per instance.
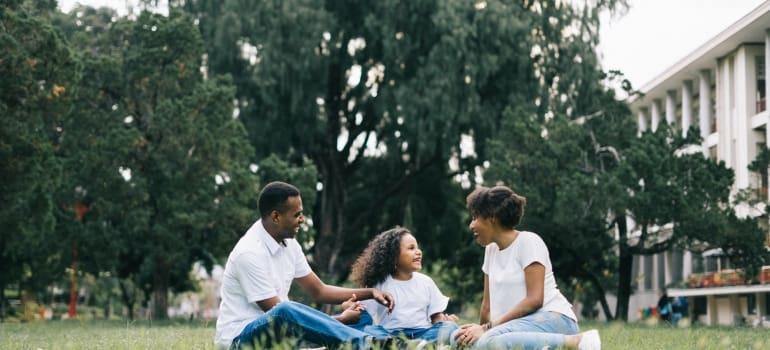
[73, 287]
[80, 211]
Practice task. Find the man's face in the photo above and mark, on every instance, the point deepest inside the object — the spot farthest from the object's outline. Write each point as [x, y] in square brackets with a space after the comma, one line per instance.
[288, 222]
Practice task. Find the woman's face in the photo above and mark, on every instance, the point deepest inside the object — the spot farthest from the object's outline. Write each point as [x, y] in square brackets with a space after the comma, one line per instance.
[482, 229]
[410, 258]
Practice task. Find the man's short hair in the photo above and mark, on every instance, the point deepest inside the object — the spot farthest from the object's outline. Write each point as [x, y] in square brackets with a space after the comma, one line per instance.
[274, 196]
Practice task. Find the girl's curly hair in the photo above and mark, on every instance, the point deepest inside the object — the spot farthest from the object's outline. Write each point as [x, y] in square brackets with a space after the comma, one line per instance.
[379, 258]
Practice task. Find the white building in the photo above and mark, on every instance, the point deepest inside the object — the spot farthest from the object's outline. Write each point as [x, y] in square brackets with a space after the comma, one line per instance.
[722, 88]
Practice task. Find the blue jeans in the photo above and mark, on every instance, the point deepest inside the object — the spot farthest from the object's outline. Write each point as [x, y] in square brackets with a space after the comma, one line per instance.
[295, 320]
[534, 331]
[439, 332]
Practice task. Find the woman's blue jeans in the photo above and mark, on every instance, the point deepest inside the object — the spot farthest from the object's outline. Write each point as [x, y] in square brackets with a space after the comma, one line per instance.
[295, 320]
[534, 331]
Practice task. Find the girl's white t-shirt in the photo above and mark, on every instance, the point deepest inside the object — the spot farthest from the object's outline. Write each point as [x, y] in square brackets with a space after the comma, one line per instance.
[505, 269]
[416, 300]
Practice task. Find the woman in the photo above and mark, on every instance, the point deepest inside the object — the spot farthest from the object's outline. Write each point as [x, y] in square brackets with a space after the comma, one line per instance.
[522, 307]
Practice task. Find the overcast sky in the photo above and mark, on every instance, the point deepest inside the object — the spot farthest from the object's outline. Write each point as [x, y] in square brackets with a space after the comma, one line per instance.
[655, 34]
[651, 37]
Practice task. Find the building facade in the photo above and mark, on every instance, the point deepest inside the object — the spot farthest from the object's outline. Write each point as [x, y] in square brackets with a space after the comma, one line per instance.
[722, 88]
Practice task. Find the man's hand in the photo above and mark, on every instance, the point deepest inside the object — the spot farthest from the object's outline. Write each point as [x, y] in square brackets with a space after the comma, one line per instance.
[352, 311]
[384, 298]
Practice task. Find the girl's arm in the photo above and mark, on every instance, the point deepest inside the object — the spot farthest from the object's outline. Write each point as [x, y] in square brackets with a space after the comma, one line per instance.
[534, 277]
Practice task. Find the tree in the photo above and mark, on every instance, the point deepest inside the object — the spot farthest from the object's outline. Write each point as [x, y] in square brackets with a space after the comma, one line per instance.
[163, 163]
[40, 76]
[666, 183]
[379, 96]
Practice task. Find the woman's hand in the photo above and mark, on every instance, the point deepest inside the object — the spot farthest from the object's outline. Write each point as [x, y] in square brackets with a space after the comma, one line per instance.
[468, 334]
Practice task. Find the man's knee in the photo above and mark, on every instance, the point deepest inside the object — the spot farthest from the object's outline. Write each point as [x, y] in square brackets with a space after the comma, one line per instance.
[285, 308]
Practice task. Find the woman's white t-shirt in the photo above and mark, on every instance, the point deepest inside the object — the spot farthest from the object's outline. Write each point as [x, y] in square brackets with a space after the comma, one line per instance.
[505, 269]
[416, 300]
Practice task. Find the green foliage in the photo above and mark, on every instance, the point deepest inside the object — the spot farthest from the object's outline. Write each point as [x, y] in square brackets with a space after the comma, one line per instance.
[432, 74]
[39, 80]
[154, 151]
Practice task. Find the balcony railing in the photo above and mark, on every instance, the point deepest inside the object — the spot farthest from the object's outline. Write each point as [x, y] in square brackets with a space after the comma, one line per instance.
[761, 105]
[727, 278]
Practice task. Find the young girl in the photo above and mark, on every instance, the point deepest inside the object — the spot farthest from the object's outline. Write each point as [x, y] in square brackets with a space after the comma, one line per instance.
[391, 263]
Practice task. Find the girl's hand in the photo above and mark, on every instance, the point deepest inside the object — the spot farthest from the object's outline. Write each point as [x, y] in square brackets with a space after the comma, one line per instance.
[468, 334]
[442, 317]
[352, 302]
[352, 311]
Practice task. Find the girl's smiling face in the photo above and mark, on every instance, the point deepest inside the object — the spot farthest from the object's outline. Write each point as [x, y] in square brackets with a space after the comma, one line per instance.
[410, 258]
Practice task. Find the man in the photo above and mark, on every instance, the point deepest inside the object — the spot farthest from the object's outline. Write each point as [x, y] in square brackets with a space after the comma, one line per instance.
[258, 274]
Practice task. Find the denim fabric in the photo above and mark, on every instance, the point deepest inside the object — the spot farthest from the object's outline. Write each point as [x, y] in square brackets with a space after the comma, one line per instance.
[439, 332]
[535, 331]
[295, 320]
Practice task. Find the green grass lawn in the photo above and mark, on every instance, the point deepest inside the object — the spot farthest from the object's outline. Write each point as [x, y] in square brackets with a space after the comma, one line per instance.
[183, 335]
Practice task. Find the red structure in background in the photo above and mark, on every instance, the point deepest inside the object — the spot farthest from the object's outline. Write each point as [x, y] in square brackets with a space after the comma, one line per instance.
[80, 211]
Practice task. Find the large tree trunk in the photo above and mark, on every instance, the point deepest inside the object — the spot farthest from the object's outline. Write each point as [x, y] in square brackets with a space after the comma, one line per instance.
[331, 165]
[331, 224]
[2, 302]
[160, 292]
[128, 298]
[601, 294]
[625, 265]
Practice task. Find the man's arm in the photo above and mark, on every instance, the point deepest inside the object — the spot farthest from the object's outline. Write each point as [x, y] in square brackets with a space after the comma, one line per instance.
[327, 294]
[269, 303]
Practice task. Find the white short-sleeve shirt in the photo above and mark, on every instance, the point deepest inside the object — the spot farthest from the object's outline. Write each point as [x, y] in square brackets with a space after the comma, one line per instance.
[507, 286]
[258, 268]
[416, 300]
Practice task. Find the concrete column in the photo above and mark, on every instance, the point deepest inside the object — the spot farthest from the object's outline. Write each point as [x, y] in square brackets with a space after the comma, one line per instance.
[687, 265]
[686, 106]
[668, 263]
[767, 90]
[743, 137]
[655, 114]
[760, 304]
[671, 107]
[704, 103]
[641, 120]
[735, 308]
[724, 115]
[711, 310]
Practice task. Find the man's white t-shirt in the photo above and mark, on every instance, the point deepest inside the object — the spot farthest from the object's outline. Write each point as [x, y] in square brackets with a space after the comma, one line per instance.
[505, 269]
[258, 268]
[416, 300]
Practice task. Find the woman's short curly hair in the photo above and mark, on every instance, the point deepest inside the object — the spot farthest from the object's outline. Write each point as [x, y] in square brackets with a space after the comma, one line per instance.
[379, 258]
[499, 202]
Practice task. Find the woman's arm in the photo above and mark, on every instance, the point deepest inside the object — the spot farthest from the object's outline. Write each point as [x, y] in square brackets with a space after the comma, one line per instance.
[484, 312]
[534, 277]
